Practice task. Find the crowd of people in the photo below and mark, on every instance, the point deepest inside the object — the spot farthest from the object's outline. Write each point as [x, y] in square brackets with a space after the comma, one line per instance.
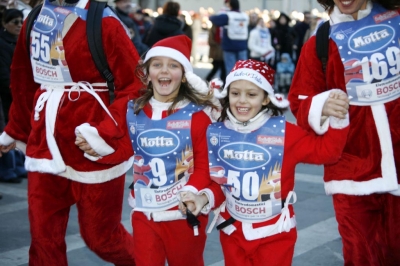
[74, 129]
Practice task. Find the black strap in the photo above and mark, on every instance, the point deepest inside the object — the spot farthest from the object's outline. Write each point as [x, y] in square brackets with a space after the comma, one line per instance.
[323, 43]
[29, 24]
[94, 37]
[225, 223]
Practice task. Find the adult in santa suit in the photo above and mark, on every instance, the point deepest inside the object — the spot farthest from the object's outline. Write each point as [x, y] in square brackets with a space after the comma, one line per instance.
[364, 60]
[55, 107]
[259, 151]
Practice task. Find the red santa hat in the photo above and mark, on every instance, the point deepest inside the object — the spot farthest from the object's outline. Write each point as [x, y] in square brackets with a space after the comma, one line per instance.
[179, 48]
[258, 73]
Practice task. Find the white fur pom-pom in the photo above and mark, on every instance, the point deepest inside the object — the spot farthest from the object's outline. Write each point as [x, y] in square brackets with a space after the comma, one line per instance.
[216, 86]
[197, 83]
[279, 100]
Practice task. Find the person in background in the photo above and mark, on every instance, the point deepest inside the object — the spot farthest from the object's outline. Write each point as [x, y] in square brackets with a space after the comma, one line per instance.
[285, 38]
[54, 117]
[300, 28]
[284, 72]
[253, 21]
[260, 43]
[253, 152]
[165, 25]
[123, 9]
[12, 168]
[215, 53]
[186, 28]
[235, 33]
[365, 182]
[143, 26]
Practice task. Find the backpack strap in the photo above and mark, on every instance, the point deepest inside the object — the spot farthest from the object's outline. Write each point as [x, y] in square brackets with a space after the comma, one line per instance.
[323, 43]
[94, 37]
[29, 24]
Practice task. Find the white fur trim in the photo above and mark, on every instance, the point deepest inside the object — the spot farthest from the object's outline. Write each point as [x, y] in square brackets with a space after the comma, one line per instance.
[6, 139]
[164, 216]
[211, 200]
[197, 83]
[189, 188]
[396, 192]
[388, 181]
[282, 103]
[315, 113]
[172, 53]
[93, 138]
[93, 177]
[21, 146]
[302, 97]
[249, 75]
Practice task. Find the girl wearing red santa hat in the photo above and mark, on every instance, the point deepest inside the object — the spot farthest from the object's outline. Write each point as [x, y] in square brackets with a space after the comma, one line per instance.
[365, 183]
[167, 126]
[258, 151]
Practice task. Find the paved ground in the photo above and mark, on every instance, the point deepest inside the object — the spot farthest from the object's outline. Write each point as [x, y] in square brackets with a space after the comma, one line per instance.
[318, 240]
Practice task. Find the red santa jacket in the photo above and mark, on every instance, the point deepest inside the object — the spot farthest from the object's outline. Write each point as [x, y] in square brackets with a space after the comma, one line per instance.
[300, 147]
[370, 161]
[109, 138]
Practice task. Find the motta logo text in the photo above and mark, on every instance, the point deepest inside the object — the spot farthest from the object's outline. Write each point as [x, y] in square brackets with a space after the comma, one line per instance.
[371, 39]
[157, 142]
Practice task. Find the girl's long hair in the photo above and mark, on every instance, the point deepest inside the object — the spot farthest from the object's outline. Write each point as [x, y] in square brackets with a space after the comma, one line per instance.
[272, 109]
[186, 91]
[388, 4]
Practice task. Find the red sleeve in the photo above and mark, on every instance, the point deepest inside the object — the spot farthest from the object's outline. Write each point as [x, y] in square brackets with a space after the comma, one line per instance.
[310, 80]
[201, 176]
[219, 196]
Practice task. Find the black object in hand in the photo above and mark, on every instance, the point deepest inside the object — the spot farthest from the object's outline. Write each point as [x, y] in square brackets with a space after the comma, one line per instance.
[192, 220]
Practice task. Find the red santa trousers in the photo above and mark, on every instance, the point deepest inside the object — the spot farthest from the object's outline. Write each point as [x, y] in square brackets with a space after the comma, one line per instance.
[99, 213]
[174, 241]
[272, 250]
[370, 228]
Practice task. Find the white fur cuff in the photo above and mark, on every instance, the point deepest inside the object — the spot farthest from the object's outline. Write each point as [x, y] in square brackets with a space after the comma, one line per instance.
[94, 140]
[5, 139]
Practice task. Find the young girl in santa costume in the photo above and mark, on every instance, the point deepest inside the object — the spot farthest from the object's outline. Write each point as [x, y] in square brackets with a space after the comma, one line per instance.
[365, 181]
[253, 152]
[167, 126]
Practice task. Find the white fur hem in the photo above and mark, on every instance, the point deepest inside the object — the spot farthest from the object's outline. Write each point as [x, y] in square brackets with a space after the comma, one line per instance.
[93, 138]
[93, 177]
[165, 216]
[21, 146]
[350, 187]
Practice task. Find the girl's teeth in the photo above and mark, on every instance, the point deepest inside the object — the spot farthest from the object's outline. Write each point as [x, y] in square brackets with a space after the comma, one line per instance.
[346, 3]
[243, 109]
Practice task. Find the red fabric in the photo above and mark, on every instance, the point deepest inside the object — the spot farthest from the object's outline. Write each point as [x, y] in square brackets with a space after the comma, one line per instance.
[217, 35]
[156, 242]
[99, 206]
[86, 109]
[301, 147]
[181, 43]
[361, 158]
[276, 250]
[375, 242]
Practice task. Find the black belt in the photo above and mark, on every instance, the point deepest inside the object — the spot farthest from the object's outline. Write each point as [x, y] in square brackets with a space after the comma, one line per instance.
[231, 220]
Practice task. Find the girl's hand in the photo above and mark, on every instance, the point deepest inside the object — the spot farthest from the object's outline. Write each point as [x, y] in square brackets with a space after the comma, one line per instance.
[193, 202]
[337, 105]
[81, 142]
[7, 148]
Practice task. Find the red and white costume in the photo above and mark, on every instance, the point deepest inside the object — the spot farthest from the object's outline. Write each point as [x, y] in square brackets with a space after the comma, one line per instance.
[364, 182]
[273, 240]
[165, 235]
[44, 120]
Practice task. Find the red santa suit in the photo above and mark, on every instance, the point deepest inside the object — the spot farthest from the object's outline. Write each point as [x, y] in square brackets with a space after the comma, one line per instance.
[364, 182]
[245, 243]
[166, 235]
[44, 120]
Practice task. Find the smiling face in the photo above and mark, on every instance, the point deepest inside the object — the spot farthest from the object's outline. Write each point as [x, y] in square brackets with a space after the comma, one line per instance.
[166, 76]
[351, 7]
[246, 99]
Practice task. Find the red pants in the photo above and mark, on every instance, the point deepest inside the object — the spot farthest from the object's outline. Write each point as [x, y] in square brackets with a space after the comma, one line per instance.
[273, 250]
[99, 207]
[370, 228]
[174, 241]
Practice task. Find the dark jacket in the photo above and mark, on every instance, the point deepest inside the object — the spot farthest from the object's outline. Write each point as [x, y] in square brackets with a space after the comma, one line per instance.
[136, 39]
[164, 26]
[7, 46]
